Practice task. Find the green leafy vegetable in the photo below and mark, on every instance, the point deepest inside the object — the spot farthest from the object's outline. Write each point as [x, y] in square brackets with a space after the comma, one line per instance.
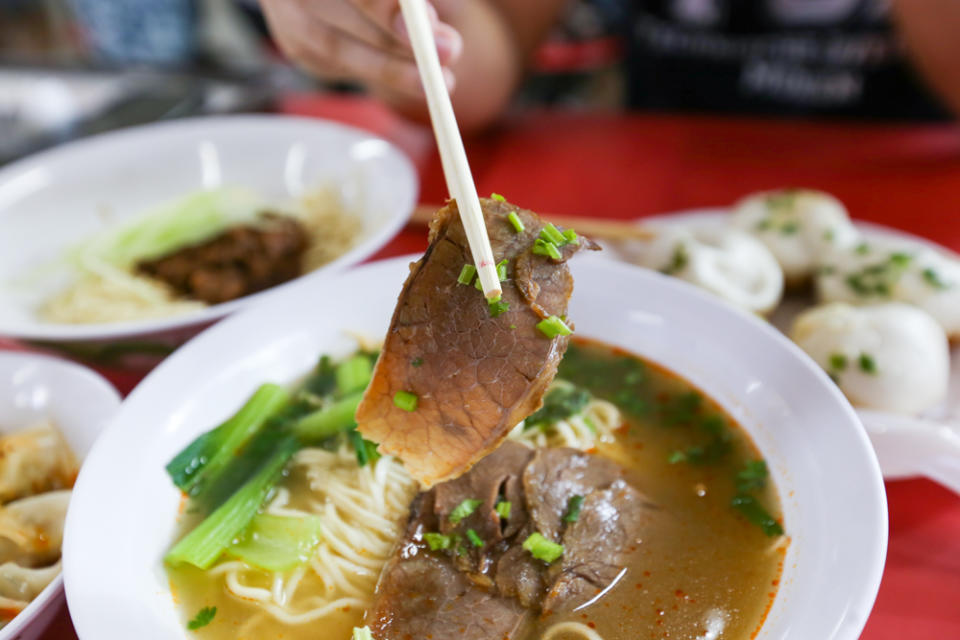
[574, 504]
[366, 451]
[329, 421]
[560, 403]
[754, 512]
[406, 400]
[205, 544]
[202, 619]
[498, 307]
[933, 279]
[553, 327]
[542, 549]
[463, 510]
[354, 374]
[277, 543]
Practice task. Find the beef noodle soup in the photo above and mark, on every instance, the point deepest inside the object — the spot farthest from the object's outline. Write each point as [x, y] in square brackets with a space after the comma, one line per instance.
[630, 506]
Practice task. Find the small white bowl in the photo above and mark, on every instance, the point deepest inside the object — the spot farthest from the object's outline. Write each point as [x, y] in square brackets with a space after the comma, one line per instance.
[826, 473]
[51, 201]
[80, 403]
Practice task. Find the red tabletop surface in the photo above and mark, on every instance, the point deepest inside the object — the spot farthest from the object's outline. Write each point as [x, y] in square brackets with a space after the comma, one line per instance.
[626, 166]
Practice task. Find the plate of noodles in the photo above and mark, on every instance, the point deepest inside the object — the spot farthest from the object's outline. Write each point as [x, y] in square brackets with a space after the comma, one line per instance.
[152, 231]
[51, 412]
[306, 469]
[877, 308]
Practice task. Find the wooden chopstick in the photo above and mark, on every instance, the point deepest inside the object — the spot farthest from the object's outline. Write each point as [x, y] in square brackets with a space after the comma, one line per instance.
[595, 228]
[452, 154]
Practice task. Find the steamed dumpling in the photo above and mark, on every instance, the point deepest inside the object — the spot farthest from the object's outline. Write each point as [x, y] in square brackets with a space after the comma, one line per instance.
[895, 270]
[31, 529]
[723, 260]
[891, 357]
[33, 461]
[25, 583]
[798, 226]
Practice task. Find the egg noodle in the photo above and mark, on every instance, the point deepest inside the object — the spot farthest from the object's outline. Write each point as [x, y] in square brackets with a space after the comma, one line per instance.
[364, 510]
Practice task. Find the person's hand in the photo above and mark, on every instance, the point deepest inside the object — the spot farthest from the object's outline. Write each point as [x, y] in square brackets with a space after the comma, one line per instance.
[360, 40]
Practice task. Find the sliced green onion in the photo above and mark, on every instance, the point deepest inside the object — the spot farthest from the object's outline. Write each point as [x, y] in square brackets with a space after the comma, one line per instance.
[676, 457]
[466, 274]
[503, 509]
[551, 234]
[353, 374]
[416, 362]
[573, 509]
[502, 269]
[330, 421]
[752, 476]
[498, 197]
[867, 363]
[438, 541]
[406, 400]
[933, 279]
[278, 543]
[838, 361]
[571, 236]
[542, 549]
[206, 543]
[553, 327]
[498, 307]
[515, 220]
[474, 538]
[754, 512]
[545, 248]
[463, 510]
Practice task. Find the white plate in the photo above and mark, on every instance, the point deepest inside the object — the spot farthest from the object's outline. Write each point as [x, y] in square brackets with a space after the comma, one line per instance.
[51, 201]
[123, 516]
[907, 446]
[79, 402]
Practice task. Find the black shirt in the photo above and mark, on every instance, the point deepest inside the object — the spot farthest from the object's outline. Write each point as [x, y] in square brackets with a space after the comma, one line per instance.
[799, 57]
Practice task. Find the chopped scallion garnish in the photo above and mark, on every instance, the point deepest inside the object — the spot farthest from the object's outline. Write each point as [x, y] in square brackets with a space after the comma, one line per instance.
[867, 363]
[502, 269]
[438, 541]
[543, 247]
[474, 538]
[466, 274]
[553, 327]
[416, 362]
[542, 549]
[503, 509]
[406, 400]
[932, 278]
[498, 307]
[463, 510]
[838, 361]
[571, 236]
[551, 234]
[752, 476]
[573, 509]
[516, 222]
[754, 512]
[498, 197]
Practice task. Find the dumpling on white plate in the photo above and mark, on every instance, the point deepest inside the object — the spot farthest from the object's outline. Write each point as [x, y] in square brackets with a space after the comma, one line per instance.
[35, 460]
[31, 529]
[890, 269]
[890, 357]
[723, 260]
[798, 226]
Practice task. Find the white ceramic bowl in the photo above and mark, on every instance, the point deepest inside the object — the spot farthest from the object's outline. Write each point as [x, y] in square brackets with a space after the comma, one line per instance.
[80, 403]
[829, 482]
[52, 200]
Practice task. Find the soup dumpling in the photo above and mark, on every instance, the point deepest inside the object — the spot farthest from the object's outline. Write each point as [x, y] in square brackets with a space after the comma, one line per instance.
[891, 357]
[723, 260]
[883, 270]
[798, 226]
[31, 529]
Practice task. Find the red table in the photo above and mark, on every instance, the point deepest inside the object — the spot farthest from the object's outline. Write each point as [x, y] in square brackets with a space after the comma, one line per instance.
[627, 166]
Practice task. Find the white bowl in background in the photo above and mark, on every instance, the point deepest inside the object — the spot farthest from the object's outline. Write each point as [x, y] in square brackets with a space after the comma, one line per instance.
[55, 199]
[819, 456]
[79, 402]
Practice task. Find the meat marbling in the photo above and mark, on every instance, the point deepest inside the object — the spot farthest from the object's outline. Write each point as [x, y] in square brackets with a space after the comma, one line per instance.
[475, 376]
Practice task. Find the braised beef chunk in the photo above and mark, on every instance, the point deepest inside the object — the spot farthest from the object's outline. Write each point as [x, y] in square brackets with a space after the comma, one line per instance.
[475, 375]
[242, 260]
[486, 583]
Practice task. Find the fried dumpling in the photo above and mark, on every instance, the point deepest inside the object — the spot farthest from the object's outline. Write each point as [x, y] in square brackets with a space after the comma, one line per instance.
[31, 529]
[35, 460]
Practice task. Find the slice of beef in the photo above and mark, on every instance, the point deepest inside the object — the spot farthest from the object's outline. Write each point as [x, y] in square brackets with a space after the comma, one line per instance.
[596, 547]
[498, 590]
[556, 475]
[476, 376]
[242, 260]
[426, 597]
